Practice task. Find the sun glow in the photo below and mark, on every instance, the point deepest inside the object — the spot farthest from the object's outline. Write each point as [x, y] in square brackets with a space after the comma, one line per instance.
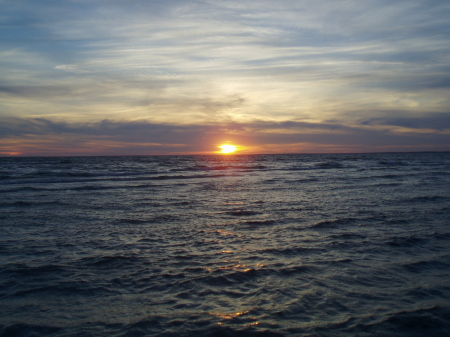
[228, 148]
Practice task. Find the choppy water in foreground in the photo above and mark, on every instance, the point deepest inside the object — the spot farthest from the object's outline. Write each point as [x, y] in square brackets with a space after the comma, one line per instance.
[267, 245]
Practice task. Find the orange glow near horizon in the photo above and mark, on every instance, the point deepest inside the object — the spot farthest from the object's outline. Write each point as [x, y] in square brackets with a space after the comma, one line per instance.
[227, 148]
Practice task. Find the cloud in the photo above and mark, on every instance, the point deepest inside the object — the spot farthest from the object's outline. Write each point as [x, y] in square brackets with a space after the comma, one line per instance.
[43, 136]
[365, 65]
[435, 122]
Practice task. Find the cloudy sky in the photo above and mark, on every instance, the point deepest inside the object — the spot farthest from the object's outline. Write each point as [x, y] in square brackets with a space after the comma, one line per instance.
[87, 77]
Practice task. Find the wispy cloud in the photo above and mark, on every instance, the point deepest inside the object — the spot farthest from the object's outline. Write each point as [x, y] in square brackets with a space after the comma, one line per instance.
[26, 136]
[367, 64]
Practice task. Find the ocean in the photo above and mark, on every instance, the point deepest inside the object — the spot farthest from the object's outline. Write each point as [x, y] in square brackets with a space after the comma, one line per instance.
[226, 245]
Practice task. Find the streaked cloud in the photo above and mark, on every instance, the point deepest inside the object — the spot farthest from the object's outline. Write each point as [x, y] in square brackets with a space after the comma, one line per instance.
[376, 68]
[46, 137]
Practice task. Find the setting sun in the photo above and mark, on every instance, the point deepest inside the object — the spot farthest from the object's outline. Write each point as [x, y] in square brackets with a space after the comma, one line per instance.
[228, 148]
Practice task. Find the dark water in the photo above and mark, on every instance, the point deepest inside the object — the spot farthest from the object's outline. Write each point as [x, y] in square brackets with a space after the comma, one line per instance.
[268, 245]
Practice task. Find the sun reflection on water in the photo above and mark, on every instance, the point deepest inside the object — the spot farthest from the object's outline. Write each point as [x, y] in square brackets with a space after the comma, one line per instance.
[230, 315]
[222, 232]
[235, 315]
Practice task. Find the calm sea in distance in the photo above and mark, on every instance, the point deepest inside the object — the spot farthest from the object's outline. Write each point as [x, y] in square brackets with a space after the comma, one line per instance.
[238, 245]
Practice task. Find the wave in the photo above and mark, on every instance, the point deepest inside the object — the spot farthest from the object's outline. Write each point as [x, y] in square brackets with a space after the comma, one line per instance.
[24, 270]
[241, 212]
[392, 163]
[194, 325]
[110, 262]
[291, 252]
[58, 174]
[68, 289]
[431, 321]
[426, 266]
[391, 176]
[220, 168]
[23, 329]
[334, 223]
[25, 189]
[260, 222]
[329, 165]
[100, 180]
[231, 277]
[433, 198]
[409, 241]
[25, 204]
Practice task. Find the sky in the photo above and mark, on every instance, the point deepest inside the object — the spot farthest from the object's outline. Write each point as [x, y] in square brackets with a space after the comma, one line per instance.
[110, 77]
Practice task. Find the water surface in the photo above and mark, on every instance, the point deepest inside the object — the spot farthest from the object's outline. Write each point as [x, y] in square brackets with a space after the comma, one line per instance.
[264, 245]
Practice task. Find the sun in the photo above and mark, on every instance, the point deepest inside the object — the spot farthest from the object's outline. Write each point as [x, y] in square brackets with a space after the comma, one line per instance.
[228, 148]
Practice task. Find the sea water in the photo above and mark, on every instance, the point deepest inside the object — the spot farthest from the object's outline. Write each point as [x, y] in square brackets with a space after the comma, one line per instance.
[238, 245]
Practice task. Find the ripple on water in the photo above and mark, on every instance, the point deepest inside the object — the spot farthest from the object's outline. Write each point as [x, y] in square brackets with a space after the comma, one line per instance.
[313, 245]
